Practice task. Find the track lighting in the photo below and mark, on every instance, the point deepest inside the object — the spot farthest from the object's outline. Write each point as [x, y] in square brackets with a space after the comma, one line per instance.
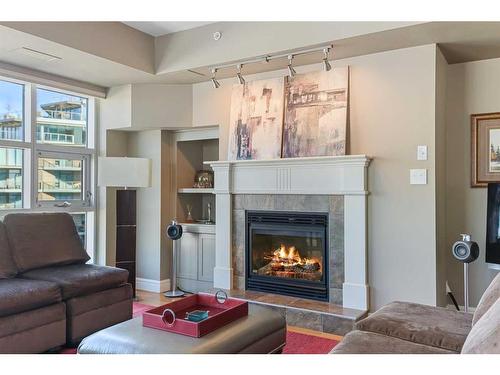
[214, 80]
[241, 80]
[291, 70]
[326, 63]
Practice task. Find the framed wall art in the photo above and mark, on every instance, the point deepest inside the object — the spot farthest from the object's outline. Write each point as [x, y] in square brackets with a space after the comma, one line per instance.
[256, 120]
[316, 114]
[485, 149]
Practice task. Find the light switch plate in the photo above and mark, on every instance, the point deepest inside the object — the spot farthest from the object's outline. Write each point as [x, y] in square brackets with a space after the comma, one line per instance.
[418, 176]
[422, 152]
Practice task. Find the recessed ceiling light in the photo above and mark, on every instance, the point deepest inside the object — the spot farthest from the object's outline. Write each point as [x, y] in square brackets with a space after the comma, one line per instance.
[37, 54]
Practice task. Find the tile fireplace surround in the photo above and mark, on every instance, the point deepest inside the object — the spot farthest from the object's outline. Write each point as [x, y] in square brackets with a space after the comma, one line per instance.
[337, 185]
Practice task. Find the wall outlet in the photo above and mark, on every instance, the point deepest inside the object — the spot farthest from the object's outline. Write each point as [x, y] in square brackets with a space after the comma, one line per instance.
[422, 152]
[418, 176]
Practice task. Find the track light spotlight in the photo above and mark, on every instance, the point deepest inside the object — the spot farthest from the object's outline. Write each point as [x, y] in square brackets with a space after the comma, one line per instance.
[291, 70]
[214, 80]
[326, 63]
[241, 80]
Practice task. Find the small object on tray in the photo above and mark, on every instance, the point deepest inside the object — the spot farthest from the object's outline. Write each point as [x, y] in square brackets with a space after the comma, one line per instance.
[197, 315]
[177, 317]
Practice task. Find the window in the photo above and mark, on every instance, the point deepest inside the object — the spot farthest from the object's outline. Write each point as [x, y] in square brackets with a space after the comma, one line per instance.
[47, 153]
[11, 178]
[62, 179]
[81, 227]
[11, 111]
[61, 119]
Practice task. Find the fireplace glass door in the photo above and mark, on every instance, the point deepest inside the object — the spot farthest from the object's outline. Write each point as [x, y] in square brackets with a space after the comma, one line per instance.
[286, 253]
[296, 254]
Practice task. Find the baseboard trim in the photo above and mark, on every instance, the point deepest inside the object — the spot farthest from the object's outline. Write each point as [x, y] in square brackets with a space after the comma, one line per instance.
[150, 285]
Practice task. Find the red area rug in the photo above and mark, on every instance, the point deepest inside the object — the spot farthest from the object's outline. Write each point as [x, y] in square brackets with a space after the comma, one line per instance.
[301, 343]
[296, 343]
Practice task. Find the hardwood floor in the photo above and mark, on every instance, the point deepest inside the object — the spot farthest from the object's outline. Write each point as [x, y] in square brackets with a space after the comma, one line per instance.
[157, 299]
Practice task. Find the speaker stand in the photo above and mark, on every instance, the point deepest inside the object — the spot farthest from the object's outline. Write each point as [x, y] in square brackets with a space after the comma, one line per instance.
[466, 287]
[174, 292]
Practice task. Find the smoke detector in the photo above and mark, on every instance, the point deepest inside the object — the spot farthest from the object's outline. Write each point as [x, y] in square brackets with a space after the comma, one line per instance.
[217, 35]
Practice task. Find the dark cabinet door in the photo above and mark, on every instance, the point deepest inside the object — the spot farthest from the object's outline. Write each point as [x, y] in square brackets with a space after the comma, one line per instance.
[126, 233]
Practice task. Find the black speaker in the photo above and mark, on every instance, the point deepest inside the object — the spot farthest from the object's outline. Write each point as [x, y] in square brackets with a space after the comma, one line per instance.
[466, 251]
[174, 231]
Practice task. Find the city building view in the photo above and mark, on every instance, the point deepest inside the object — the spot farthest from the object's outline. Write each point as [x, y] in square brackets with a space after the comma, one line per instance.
[61, 120]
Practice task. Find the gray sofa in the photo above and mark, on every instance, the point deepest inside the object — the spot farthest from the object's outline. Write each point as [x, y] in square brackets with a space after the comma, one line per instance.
[49, 297]
[410, 328]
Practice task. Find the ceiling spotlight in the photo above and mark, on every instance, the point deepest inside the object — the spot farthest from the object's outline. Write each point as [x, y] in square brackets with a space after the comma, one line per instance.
[241, 80]
[291, 70]
[214, 80]
[326, 63]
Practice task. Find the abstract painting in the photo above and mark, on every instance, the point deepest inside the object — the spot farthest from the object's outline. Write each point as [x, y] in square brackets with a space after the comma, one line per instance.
[256, 120]
[316, 114]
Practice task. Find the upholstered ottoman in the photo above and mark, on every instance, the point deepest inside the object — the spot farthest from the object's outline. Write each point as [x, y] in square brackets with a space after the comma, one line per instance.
[261, 332]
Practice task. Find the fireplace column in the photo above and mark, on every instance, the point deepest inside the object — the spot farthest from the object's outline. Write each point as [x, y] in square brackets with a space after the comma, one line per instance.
[223, 271]
[355, 287]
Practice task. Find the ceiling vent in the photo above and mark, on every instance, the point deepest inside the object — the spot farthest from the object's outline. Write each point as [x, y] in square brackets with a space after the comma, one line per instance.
[37, 54]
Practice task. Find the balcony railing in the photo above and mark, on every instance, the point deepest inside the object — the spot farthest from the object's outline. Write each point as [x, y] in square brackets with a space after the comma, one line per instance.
[58, 164]
[56, 138]
[60, 186]
[62, 115]
[10, 205]
[10, 185]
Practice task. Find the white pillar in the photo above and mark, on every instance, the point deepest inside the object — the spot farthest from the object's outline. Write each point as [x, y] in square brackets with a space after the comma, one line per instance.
[355, 291]
[223, 271]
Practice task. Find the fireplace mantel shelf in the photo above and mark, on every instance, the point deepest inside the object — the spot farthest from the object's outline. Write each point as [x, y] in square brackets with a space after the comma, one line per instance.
[361, 160]
[330, 175]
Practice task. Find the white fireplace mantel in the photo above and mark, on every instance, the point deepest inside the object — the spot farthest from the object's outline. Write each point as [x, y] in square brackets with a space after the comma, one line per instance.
[329, 175]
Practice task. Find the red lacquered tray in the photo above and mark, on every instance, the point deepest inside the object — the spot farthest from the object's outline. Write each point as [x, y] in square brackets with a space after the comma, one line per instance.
[171, 317]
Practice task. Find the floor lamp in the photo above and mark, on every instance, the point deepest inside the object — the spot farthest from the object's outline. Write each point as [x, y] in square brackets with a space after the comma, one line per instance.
[125, 173]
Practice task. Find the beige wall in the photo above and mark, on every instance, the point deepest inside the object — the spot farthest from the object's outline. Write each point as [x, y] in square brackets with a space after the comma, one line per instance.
[392, 110]
[440, 176]
[472, 88]
[148, 144]
[147, 106]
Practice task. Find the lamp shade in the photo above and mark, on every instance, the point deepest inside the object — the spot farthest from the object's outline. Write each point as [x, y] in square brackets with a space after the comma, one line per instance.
[124, 172]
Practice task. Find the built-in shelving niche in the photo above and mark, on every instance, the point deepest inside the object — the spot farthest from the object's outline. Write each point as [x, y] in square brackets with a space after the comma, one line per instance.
[190, 157]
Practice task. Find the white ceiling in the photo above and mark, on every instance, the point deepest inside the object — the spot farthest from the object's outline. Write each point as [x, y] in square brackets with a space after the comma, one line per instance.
[164, 27]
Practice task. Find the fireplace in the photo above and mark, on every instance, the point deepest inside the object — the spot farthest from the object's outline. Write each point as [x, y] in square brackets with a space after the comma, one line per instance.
[287, 253]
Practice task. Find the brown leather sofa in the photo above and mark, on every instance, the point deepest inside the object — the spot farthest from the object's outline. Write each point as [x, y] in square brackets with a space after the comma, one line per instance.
[49, 297]
[410, 328]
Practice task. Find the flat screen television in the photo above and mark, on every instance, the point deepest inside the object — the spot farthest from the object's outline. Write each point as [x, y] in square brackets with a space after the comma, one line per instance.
[493, 224]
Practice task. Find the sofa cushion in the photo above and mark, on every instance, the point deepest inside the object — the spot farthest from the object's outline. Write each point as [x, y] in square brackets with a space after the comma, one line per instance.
[18, 295]
[7, 266]
[359, 342]
[489, 297]
[484, 337]
[80, 279]
[422, 324]
[42, 240]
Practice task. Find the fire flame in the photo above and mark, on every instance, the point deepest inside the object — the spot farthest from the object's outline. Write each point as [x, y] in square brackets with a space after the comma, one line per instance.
[291, 256]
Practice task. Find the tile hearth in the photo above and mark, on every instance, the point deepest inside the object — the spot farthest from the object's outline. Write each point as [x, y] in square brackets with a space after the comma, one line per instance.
[315, 315]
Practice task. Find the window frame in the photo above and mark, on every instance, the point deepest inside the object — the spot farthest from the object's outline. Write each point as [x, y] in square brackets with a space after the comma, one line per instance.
[32, 151]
